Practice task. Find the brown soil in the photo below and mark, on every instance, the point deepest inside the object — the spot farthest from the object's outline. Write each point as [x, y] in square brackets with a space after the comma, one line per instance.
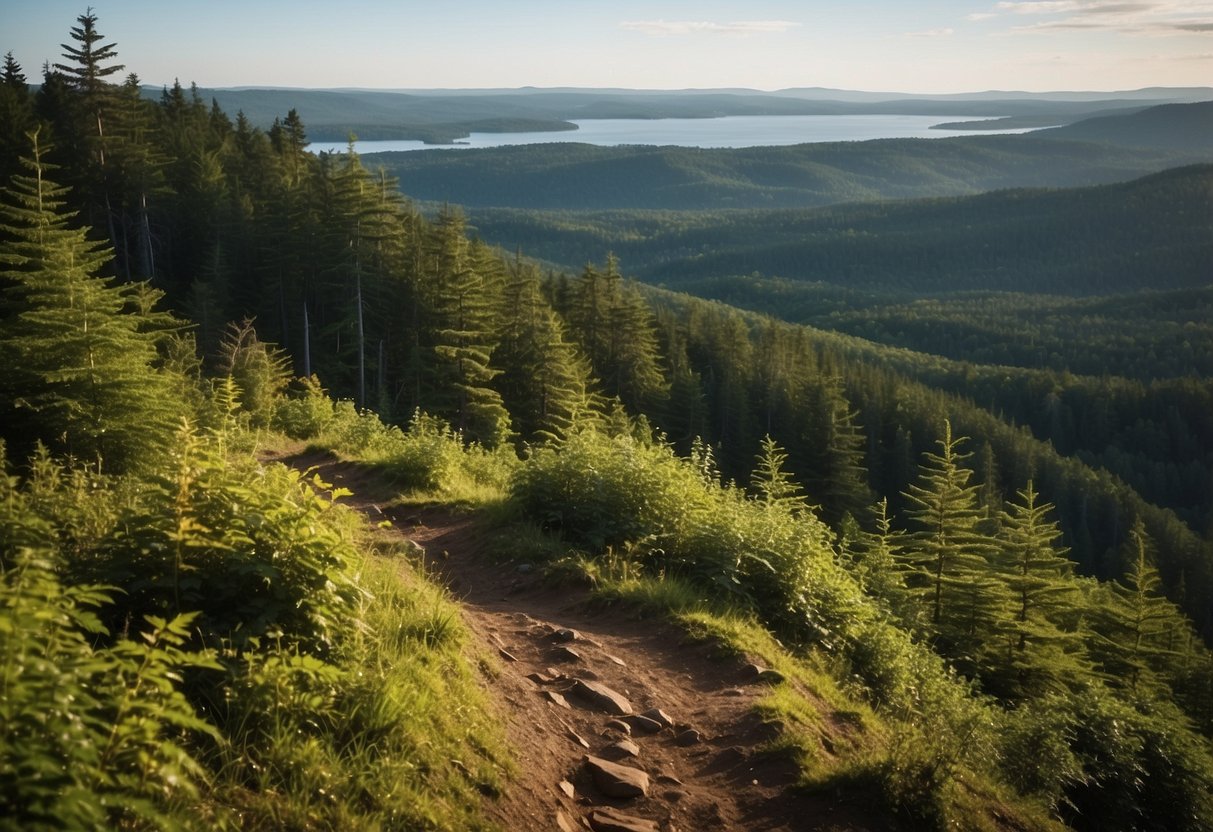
[725, 780]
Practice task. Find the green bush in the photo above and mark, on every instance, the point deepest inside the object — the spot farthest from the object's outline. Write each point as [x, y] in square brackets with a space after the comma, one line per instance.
[1142, 768]
[305, 412]
[247, 548]
[90, 737]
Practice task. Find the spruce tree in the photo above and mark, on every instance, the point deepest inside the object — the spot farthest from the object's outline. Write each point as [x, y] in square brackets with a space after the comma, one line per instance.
[872, 557]
[82, 352]
[461, 303]
[1135, 625]
[1039, 650]
[545, 383]
[616, 329]
[88, 64]
[771, 484]
[947, 558]
[16, 117]
[840, 478]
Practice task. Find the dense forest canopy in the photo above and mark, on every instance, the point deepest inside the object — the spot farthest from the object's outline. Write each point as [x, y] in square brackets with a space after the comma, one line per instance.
[1011, 565]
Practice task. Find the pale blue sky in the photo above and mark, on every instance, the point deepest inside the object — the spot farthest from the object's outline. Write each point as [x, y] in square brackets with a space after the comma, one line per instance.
[894, 45]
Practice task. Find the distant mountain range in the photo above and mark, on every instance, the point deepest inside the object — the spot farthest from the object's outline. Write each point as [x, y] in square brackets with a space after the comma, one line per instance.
[443, 116]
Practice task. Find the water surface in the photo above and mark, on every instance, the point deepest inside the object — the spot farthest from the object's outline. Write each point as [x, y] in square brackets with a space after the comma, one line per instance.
[729, 131]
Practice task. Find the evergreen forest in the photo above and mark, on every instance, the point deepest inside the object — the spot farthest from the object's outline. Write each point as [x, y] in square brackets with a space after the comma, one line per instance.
[942, 459]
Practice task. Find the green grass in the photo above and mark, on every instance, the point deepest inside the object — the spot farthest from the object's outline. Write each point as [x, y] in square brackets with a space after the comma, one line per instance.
[840, 743]
[396, 734]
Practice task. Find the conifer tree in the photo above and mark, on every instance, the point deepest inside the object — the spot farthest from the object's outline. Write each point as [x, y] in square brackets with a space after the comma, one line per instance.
[1040, 650]
[461, 302]
[16, 116]
[840, 478]
[545, 384]
[947, 557]
[82, 352]
[88, 65]
[771, 484]
[874, 557]
[1135, 624]
[617, 332]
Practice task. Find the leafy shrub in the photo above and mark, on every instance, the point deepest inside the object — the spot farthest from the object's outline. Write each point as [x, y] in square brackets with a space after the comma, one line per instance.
[305, 412]
[1141, 767]
[247, 548]
[429, 456]
[89, 737]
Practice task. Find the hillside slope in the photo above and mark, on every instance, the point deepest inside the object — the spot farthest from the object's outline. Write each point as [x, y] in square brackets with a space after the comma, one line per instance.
[1186, 127]
[1152, 233]
[585, 177]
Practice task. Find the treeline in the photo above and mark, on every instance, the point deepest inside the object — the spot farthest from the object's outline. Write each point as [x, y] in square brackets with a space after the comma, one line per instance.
[1152, 233]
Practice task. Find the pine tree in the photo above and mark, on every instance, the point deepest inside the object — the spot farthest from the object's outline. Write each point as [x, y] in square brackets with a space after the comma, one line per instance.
[545, 384]
[88, 64]
[771, 484]
[83, 353]
[873, 558]
[16, 116]
[616, 329]
[840, 479]
[1135, 625]
[947, 558]
[461, 304]
[1039, 652]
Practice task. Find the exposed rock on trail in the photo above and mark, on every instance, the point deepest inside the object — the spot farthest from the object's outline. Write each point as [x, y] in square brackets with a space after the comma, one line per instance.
[615, 723]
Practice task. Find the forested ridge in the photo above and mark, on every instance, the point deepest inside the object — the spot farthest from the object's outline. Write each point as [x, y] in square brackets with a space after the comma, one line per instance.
[192, 637]
[1149, 233]
[575, 177]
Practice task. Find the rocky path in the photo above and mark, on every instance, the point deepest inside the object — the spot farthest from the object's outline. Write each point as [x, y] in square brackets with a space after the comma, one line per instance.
[617, 723]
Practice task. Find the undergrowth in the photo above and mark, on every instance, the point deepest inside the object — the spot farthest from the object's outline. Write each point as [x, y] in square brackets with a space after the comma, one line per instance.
[863, 708]
[218, 644]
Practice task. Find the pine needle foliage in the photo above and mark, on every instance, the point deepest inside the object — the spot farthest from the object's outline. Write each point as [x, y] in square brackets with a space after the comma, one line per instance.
[1041, 648]
[83, 352]
[947, 558]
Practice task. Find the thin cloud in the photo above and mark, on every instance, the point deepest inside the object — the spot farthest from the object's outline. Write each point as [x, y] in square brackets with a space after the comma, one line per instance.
[1040, 7]
[931, 33]
[981, 15]
[1142, 18]
[674, 28]
[1078, 8]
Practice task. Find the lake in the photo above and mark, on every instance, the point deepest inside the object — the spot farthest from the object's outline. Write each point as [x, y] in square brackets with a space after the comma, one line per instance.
[729, 131]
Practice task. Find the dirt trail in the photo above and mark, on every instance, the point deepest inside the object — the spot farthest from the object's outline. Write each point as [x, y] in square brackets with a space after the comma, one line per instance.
[706, 771]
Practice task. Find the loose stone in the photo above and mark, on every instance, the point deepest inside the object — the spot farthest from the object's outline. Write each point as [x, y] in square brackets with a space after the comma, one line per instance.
[611, 820]
[624, 748]
[689, 737]
[615, 780]
[642, 723]
[602, 697]
[620, 726]
[556, 699]
[658, 715]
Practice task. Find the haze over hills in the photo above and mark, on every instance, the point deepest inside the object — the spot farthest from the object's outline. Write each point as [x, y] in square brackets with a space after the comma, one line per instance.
[442, 116]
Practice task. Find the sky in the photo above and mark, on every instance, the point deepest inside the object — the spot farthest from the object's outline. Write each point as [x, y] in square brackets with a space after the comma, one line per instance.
[926, 46]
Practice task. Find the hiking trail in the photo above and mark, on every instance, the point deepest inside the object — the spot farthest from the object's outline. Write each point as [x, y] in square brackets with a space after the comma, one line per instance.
[617, 723]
